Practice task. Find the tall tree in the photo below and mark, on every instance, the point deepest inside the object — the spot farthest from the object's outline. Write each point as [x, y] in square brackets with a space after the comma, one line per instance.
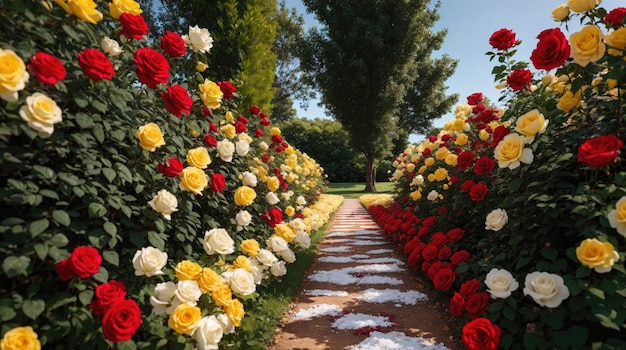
[243, 32]
[363, 60]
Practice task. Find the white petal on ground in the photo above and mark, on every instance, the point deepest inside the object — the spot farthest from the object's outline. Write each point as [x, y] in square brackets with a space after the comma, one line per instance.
[379, 280]
[410, 297]
[342, 249]
[373, 268]
[357, 321]
[326, 292]
[380, 251]
[365, 242]
[359, 256]
[336, 277]
[385, 260]
[336, 259]
[316, 311]
[395, 341]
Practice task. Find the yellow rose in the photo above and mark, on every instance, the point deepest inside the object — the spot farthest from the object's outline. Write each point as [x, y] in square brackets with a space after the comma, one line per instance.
[587, 45]
[199, 157]
[187, 270]
[410, 167]
[150, 137]
[235, 312]
[596, 254]
[201, 66]
[285, 232]
[244, 196]
[193, 180]
[510, 152]
[441, 174]
[451, 159]
[422, 169]
[560, 13]
[582, 5]
[616, 41]
[117, 7]
[531, 124]
[570, 101]
[208, 280]
[250, 247]
[184, 318]
[83, 9]
[273, 183]
[416, 195]
[430, 177]
[275, 131]
[461, 140]
[229, 130]
[429, 161]
[290, 211]
[483, 135]
[222, 295]
[456, 124]
[13, 75]
[442, 153]
[41, 113]
[211, 94]
[20, 338]
[242, 262]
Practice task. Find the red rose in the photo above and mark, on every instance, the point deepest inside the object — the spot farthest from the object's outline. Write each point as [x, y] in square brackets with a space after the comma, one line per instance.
[429, 221]
[498, 135]
[172, 167]
[414, 259]
[273, 216]
[457, 305]
[423, 231]
[484, 165]
[172, 44]
[455, 234]
[464, 160]
[254, 109]
[228, 89]
[265, 158]
[430, 252]
[434, 268]
[475, 98]
[466, 186]
[212, 127]
[519, 79]
[218, 182]
[459, 257]
[478, 108]
[468, 288]
[426, 152]
[476, 304]
[177, 100]
[481, 334]
[615, 17]
[552, 49]
[106, 295]
[121, 320]
[84, 262]
[209, 141]
[600, 151]
[242, 119]
[503, 39]
[264, 122]
[444, 278]
[444, 253]
[95, 64]
[133, 26]
[478, 192]
[240, 127]
[47, 68]
[439, 239]
[152, 67]
[63, 269]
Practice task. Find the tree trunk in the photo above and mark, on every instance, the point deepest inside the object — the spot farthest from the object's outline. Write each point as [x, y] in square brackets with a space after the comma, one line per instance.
[370, 173]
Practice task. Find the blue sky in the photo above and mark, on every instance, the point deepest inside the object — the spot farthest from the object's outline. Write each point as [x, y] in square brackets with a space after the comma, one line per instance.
[470, 24]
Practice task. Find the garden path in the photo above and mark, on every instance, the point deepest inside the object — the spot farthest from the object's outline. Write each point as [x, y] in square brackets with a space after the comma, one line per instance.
[359, 293]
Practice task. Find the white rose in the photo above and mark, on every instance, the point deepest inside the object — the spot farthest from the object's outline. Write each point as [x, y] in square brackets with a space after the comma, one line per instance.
[266, 257]
[418, 180]
[243, 218]
[227, 324]
[263, 146]
[303, 239]
[300, 200]
[288, 255]
[242, 147]
[242, 282]
[256, 270]
[432, 195]
[163, 294]
[277, 244]
[225, 149]
[500, 283]
[617, 216]
[165, 203]
[545, 288]
[297, 224]
[278, 269]
[249, 179]
[272, 198]
[41, 113]
[149, 261]
[208, 333]
[188, 291]
[287, 195]
[110, 46]
[496, 220]
[218, 241]
[199, 40]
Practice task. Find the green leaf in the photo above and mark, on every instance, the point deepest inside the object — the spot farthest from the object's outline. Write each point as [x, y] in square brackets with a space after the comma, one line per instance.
[110, 228]
[109, 174]
[156, 241]
[61, 217]
[102, 275]
[86, 296]
[462, 268]
[111, 257]
[98, 133]
[49, 194]
[84, 121]
[15, 265]
[577, 336]
[549, 253]
[37, 227]
[59, 240]
[596, 292]
[41, 250]
[96, 210]
[7, 313]
[33, 308]
[126, 345]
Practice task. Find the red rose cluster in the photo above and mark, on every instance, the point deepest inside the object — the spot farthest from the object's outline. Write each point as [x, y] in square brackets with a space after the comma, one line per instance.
[121, 317]
[83, 262]
[273, 216]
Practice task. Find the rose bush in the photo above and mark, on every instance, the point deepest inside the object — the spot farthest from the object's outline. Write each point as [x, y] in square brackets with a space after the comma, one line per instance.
[131, 219]
[544, 232]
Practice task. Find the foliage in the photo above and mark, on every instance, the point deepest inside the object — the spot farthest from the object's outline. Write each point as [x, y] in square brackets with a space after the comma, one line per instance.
[125, 175]
[499, 205]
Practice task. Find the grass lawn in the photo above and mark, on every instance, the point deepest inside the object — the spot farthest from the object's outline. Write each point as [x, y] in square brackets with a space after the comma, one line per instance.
[356, 189]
